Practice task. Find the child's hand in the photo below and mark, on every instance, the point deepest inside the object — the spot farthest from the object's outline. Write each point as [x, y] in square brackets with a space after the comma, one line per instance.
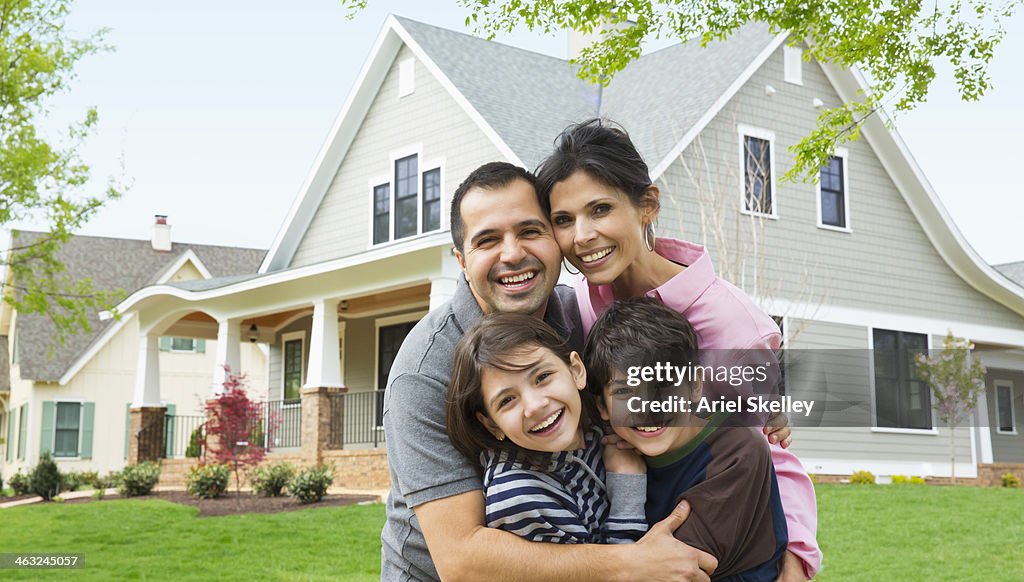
[623, 461]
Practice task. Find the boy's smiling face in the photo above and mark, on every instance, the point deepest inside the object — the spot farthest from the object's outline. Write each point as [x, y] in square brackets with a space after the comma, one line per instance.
[650, 434]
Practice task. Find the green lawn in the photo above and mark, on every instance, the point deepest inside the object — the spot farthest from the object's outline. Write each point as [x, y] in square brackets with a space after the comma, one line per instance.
[867, 533]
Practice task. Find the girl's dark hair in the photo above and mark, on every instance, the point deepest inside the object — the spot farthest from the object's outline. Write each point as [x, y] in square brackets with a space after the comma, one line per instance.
[603, 150]
[488, 344]
[636, 332]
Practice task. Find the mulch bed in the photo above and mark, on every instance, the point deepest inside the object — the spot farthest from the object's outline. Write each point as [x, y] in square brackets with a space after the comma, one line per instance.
[16, 497]
[228, 504]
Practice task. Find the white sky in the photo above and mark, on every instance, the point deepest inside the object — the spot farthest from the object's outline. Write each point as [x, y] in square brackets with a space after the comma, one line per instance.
[219, 109]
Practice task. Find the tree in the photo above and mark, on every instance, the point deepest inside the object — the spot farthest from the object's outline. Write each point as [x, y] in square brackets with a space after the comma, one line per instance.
[956, 382]
[43, 177]
[897, 44]
[234, 431]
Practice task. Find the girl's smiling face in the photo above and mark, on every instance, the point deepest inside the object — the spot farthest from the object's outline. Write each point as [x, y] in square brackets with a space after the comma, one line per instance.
[597, 227]
[536, 405]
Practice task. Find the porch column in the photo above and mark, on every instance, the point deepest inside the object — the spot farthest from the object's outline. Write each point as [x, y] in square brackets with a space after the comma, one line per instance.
[442, 286]
[146, 427]
[229, 351]
[324, 366]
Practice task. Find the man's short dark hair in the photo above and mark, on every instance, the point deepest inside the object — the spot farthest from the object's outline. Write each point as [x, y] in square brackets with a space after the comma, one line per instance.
[489, 176]
[636, 332]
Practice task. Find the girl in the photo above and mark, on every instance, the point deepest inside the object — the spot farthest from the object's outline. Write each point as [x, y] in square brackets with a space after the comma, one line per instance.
[514, 405]
[602, 205]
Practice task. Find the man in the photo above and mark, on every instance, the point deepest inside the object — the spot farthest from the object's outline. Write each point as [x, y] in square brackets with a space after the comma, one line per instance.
[511, 263]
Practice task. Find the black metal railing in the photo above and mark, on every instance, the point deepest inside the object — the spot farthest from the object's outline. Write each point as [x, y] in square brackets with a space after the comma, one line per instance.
[356, 418]
[183, 436]
[282, 421]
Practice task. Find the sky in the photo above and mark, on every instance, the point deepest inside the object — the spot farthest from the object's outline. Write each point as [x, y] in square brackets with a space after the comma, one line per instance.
[215, 111]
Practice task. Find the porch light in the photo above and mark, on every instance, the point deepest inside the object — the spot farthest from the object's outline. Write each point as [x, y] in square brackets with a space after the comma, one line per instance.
[253, 334]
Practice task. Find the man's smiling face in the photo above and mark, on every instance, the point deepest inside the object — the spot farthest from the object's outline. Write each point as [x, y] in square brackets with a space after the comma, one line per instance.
[509, 255]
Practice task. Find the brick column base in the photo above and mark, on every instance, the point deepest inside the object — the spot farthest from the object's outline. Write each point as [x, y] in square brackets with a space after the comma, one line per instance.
[151, 446]
[316, 422]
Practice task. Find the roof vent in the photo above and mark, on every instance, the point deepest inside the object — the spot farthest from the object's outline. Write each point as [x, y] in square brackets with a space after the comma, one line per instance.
[161, 234]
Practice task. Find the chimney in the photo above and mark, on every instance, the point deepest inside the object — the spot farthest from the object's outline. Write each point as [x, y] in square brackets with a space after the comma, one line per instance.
[579, 41]
[161, 234]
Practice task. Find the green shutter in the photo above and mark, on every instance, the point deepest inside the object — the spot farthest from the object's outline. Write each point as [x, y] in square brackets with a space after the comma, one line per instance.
[46, 435]
[169, 431]
[22, 430]
[165, 344]
[88, 414]
[10, 434]
[127, 427]
[200, 346]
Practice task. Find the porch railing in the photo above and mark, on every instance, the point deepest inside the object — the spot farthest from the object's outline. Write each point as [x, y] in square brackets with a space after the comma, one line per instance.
[282, 420]
[356, 418]
[183, 436]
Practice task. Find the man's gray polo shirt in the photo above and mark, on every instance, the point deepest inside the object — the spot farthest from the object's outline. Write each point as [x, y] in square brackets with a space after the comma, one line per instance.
[424, 465]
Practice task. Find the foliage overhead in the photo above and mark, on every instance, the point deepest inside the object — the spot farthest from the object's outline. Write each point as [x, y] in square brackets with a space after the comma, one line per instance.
[897, 44]
[42, 177]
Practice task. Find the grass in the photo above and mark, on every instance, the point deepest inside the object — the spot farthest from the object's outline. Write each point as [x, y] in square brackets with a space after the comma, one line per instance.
[866, 532]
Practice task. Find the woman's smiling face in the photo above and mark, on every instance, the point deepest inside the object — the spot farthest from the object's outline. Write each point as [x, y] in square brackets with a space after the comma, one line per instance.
[597, 227]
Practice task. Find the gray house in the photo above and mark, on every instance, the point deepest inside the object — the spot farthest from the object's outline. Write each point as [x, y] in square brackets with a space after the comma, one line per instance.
[866, 258]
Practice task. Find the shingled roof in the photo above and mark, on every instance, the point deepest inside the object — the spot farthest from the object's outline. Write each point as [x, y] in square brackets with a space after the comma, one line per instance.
[1012, 271]
[111, 264]
[529, 98]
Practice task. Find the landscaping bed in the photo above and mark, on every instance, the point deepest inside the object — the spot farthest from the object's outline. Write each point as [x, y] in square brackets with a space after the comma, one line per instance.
[229, 504]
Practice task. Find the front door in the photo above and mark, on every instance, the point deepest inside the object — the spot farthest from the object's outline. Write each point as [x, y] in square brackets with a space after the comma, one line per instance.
[389, 340]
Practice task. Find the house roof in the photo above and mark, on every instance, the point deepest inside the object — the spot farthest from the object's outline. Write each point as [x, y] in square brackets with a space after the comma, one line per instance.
[111, 264]
[1012, 271]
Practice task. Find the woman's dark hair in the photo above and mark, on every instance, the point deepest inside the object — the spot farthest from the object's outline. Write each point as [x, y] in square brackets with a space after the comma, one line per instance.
[636, 332]
[489, 344]
[603, 150]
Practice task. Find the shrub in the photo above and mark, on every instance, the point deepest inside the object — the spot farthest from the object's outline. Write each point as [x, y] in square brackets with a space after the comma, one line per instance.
[311, 484]
[111, 480]
[90, 479]
[98, 493]
[270, 480]
[862, 478]
[208, 481]
[139, 479]
[917, 480]
[70, 481]
[1010, 480]
[45, 480]
[900, 480]
[195, 444]
[20, 483]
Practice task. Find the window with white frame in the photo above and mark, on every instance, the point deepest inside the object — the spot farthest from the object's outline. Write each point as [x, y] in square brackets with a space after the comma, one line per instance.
[1004, 407]
[757, 161]
[902, 400]
[833, 203]
[67, 424]
[292, 364]
[408, 202]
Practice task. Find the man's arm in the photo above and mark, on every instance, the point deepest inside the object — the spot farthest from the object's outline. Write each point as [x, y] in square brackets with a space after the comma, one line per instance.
[463, 548]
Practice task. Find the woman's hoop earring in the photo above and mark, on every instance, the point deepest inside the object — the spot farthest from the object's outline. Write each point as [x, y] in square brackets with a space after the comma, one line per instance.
[566, 264]
[649, 237]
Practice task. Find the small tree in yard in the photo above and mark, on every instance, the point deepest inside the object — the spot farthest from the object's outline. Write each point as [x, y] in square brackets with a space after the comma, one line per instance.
[233, 429]
[956, 381]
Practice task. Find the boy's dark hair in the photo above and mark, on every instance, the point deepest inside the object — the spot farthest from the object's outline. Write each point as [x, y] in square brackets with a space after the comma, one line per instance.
[489, 176]
[636, 332]
[603, 150]
[488, 344]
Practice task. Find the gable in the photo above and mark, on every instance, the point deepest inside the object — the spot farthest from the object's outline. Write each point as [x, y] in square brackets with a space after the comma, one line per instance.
[886, 263]
[428, 123]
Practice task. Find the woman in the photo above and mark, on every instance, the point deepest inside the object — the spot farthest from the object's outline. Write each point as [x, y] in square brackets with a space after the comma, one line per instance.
[597, 190]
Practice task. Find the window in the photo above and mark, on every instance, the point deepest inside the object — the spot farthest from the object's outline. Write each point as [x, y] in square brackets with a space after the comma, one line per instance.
[757, 158]
[901, 399]
[65, 436]
[405, 197]
[381, 212]
[292, 368]
[408, 202]
[182, 344]
[833, 205]
[1004, 407]
[432, 200]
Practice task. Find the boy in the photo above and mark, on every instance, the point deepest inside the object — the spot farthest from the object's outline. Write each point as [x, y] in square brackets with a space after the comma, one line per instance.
[724, 472]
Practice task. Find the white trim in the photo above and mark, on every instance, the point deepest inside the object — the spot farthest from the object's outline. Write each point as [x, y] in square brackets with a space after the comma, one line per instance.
[94, 348]
[793, 65]
[869, 318]
[911, 468]
[744, 131]
[844, 155]
[423, 165]
[406, 77]
[717, 106]
[871, 377]
[996, 385]
[285, 338]
[341, 349]
[332, 153]
[292, 319]
[390, 309]
[188, 256]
